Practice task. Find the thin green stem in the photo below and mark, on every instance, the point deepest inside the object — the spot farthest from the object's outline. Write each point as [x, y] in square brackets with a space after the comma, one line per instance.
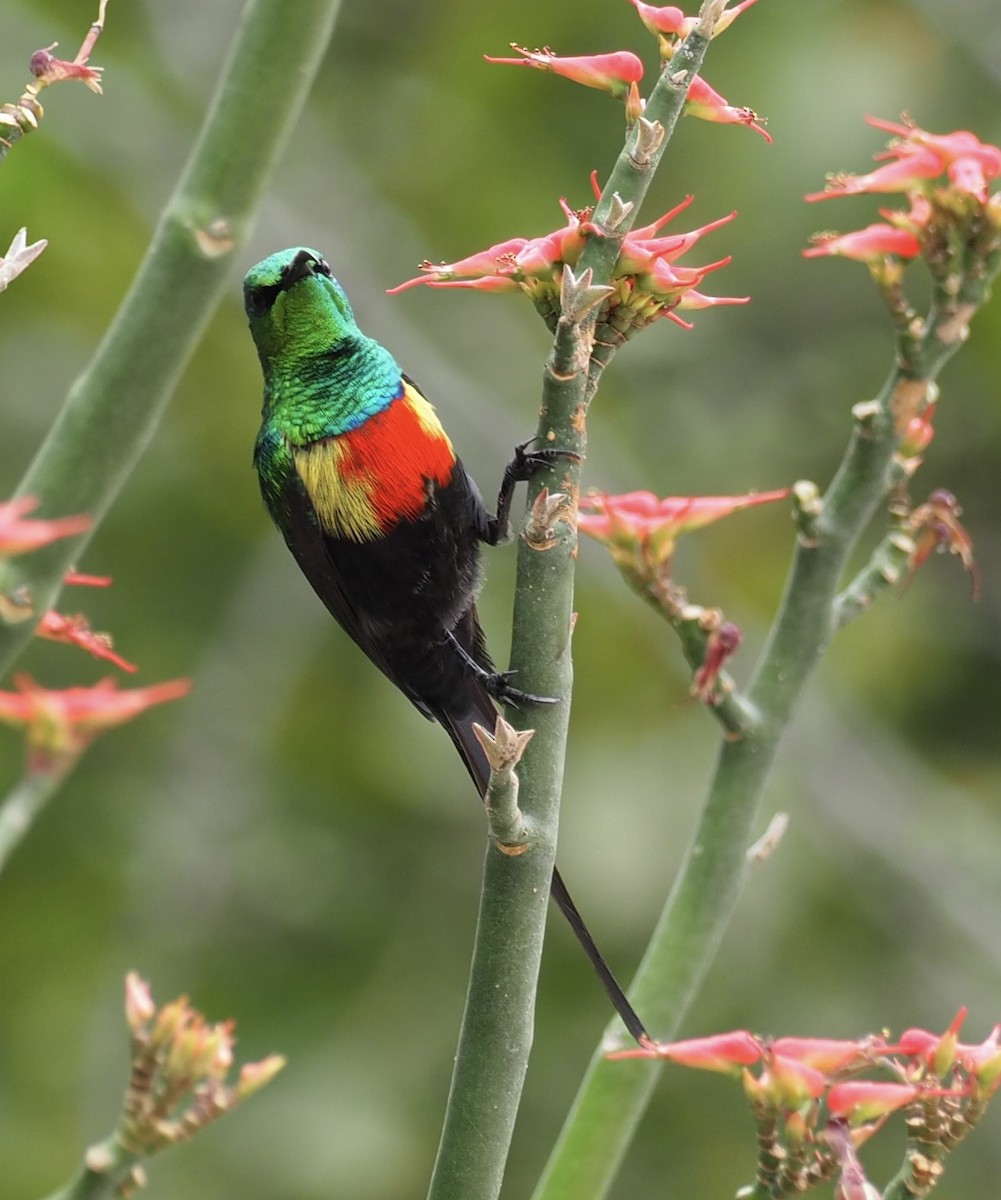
[22, 805]
[113, 409]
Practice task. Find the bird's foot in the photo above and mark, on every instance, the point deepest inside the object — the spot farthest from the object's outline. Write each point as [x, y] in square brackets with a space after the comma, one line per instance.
[525, 461]
[499, 685]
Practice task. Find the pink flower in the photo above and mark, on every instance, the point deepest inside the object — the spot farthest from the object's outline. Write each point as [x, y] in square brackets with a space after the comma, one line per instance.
[708, 105]
[871, 244]
[862, 1100]
[639, 521]
[495, 260]
[788, 1082]
[828, 1054]
[76, 631]
[20, 535]
[917, 158]
[726, 1052]
[671, 20]
[608, 72]
[61, 724]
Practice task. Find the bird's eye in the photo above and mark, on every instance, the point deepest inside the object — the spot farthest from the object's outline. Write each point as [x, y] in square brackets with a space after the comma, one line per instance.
[259, 300]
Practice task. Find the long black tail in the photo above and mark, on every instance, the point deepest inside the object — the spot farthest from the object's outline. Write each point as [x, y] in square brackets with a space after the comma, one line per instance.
[460, 729]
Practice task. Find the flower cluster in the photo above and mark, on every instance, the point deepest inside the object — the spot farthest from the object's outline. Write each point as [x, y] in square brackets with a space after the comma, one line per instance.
[641, 532]
[59, 725]
[180, 1064]
[814, 1110]
[619, 73]
[945, 178]
[647, 282]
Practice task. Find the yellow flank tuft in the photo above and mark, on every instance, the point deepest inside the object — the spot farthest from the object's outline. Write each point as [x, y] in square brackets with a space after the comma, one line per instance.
[342, 504]
[425, 413]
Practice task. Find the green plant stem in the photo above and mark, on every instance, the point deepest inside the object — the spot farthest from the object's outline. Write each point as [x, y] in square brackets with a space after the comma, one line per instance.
[113, 409]
[498, 1022]
[492, 1056]
[21, 806]
[117, 1164]
[613, 1096]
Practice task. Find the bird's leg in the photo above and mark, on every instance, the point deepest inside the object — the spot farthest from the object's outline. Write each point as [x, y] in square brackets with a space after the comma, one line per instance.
[497, 683]
[519, 470]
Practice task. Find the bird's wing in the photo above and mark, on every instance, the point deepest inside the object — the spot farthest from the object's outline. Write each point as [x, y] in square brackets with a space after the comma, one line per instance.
[311, 549]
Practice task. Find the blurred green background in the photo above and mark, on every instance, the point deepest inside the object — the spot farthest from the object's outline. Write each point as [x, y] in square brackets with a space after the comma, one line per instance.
[293, 845]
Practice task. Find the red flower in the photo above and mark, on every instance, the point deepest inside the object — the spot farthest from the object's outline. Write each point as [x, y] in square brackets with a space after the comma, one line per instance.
[709, 105]
[608, 72]
[862, 1100]
[20, 535]
[671, 20]
[76, 631]
[828, 1054]
[61, 724]
[726, 1052]
[871, 244]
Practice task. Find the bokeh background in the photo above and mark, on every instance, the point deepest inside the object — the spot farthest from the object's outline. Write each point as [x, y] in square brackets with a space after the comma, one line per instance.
[293, 845]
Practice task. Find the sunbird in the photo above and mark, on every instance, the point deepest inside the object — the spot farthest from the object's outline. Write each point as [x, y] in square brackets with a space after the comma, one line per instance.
[384, 521]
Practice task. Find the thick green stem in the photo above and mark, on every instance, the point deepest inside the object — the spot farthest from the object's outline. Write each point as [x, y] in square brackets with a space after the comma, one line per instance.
[113, 409]
[492, 1057]
[498, 1023]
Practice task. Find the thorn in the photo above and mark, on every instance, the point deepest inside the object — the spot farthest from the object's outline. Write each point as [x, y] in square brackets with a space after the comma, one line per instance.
[618, 210]
[539, 526]
[578, 296]
[504, 747]
[649, 138]
[766, 845]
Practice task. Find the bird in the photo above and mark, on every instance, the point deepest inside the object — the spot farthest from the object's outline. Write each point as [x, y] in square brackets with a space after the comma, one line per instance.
[362, 481]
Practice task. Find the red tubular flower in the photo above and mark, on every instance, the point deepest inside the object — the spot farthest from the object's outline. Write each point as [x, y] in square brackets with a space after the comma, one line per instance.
[871, 244]
[608, 72]
[75, 631]
[789, 1082]
[20, 534]
[828, 1054]
[708, 105]
[61, 724]
[861, 1100]
[727, 1052]
[671, 20]
[494, 261]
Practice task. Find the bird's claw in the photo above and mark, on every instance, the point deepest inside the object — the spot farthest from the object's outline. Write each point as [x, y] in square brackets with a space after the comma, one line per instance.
[525, 461]
[499, 686]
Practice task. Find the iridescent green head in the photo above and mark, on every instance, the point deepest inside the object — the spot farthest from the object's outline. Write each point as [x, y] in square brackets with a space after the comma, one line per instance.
[295, 306]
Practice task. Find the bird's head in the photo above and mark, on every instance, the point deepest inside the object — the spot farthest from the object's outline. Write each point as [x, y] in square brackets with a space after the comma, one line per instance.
[295, 306]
